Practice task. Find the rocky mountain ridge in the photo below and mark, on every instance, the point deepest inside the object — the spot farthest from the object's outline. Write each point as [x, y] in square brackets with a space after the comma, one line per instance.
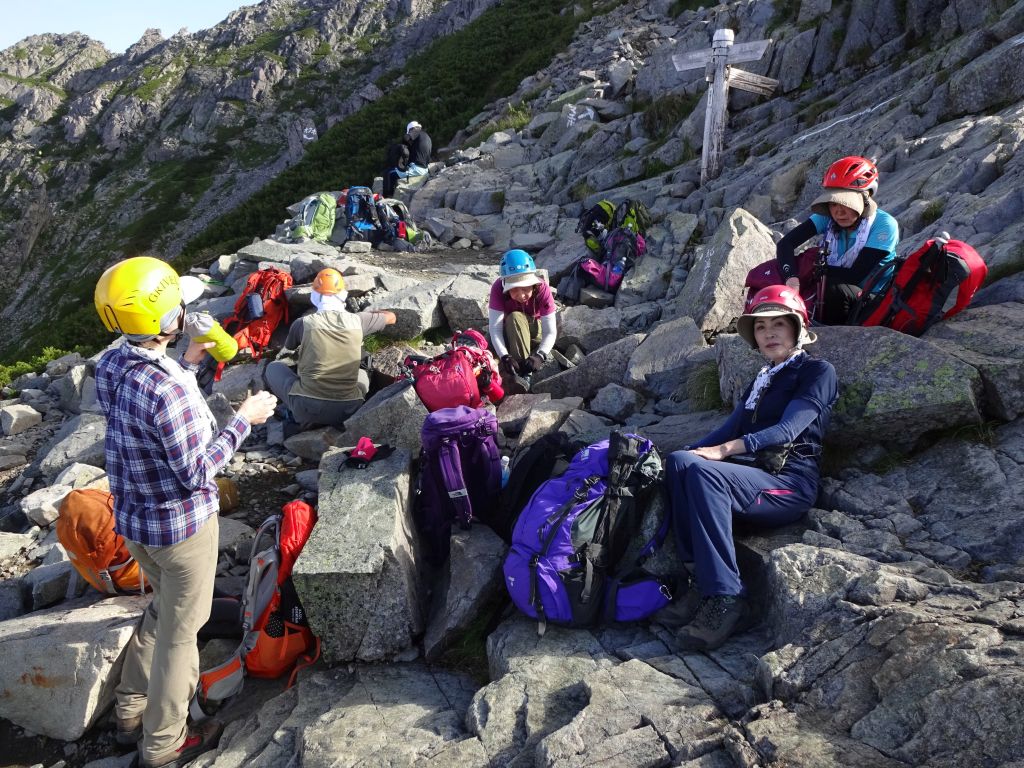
[892, 616]
[102, 156]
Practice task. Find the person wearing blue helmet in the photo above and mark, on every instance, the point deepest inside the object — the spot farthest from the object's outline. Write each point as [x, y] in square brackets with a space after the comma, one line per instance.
[522, 320]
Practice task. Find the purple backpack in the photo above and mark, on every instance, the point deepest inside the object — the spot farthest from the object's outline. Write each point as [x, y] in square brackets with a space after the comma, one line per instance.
[460, 473]
[565, 565]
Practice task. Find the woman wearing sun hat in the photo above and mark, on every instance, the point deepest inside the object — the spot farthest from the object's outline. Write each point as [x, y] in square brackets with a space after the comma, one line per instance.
[859, 237]
[522, 320]
[776, 431]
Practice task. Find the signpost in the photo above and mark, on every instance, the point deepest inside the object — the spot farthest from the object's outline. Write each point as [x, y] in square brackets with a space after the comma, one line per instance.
[720, 75]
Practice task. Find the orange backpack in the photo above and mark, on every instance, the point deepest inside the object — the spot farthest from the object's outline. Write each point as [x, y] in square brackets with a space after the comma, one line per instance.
[85, 528]
[276, 637]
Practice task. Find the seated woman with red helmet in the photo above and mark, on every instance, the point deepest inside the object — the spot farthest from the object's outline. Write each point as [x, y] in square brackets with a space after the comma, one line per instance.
[760, 466]
[859, 238]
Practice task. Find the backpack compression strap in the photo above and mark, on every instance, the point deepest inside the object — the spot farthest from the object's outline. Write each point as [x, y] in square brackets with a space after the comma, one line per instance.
[454, 483]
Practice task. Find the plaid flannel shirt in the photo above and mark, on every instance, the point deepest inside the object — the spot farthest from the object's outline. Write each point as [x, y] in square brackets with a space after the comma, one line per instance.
[161, 451]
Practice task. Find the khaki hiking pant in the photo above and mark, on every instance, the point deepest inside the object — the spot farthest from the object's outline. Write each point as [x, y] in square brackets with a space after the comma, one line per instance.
[161, 664]
[522, 335]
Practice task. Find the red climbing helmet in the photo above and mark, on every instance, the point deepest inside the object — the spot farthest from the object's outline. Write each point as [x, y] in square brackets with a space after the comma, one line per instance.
[775, 301]
[853, 172]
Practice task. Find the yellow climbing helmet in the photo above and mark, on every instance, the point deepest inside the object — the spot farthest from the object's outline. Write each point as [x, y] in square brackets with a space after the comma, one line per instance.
[328, 282]
[139, 296]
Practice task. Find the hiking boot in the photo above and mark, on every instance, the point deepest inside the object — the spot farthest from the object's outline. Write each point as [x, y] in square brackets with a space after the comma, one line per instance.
[199, 738]
[679, 612]
[718, 618]
[127, 730]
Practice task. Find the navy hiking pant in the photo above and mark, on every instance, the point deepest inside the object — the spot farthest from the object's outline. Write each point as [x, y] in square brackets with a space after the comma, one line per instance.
[707, 495]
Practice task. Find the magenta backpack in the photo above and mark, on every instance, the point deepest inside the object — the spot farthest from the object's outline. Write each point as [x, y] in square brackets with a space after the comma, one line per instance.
[622, 248]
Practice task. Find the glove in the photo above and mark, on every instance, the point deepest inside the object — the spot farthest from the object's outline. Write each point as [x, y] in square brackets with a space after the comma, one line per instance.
[533, 363]
[508, 365]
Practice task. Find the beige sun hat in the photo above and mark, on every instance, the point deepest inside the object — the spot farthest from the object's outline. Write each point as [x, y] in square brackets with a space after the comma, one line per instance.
[521, 280]
[851, 198]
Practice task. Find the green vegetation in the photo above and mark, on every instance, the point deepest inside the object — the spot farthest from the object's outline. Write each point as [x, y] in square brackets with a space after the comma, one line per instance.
[447, 85]
[469, 654]
[516, 117]
[20, 54]
[154, 76]
[581, 190]
[268, 42]
[663, 115]
[703, 389]
[36, 82]
[35, 365]
[933, 211]
[688, 5]
[654, 167]
[813, 112]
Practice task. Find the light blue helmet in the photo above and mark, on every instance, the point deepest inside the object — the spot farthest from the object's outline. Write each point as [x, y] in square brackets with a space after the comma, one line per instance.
[516, 262]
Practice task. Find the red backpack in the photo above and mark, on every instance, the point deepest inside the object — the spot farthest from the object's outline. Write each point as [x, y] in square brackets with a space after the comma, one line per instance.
[258, 311]
[275, 632]
[923, 283]
[456, 377]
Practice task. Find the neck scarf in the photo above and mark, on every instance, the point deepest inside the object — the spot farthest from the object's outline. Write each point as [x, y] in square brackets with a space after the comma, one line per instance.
[764, 378]
[186, 380]
[845, 260]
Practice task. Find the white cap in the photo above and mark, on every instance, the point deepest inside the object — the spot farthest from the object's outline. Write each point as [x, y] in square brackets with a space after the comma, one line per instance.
[412, 124]
[191, 288]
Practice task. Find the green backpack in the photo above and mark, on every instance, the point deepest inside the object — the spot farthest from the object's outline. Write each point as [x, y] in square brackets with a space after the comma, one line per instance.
[593, 224]
[631, 214]
[317, 217]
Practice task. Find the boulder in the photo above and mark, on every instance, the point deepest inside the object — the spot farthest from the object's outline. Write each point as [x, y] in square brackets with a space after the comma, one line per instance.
[547, 417]
[472, 578]
[63, 663]
[946, 675]
[894, 387]
[11, 604]
[604, 365]
[69, 387]
[15, 419]
[464, 303]
[589, 328]
[416, 308]
[515, 409]
[665, 357]
[616, 402]
[311, 444]
[674, 432]
[357, 575]
[79, 440]
[79, 476]
[238, 380]
[980, 337]
[269, 250]
[47, 584]
[637, 716]
[394, 415]
[965, 495]
[713, 293]
[43, 506]
[536, 686]
[401, 714]
[594, 298]
[12, 543]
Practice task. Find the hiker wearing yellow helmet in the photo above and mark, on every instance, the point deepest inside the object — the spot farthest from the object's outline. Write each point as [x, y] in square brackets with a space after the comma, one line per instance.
[163, 448]
[327, 384]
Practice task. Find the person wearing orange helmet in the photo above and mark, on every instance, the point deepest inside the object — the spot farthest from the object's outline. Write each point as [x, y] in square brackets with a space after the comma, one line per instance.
[760, 466]
[327, 385]
[163, 448]
[859, 238]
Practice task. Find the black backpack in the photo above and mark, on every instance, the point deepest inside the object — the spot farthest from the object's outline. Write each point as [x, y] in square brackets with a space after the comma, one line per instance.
[531, 465]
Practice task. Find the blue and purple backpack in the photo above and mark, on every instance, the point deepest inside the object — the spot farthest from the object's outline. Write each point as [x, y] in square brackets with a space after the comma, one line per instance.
[460, 474]
[567, 564]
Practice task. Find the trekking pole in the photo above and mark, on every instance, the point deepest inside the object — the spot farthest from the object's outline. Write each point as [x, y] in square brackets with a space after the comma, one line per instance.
[820, 263]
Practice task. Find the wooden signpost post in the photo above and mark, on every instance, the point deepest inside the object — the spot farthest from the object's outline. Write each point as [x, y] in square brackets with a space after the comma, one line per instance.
[720, 75]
